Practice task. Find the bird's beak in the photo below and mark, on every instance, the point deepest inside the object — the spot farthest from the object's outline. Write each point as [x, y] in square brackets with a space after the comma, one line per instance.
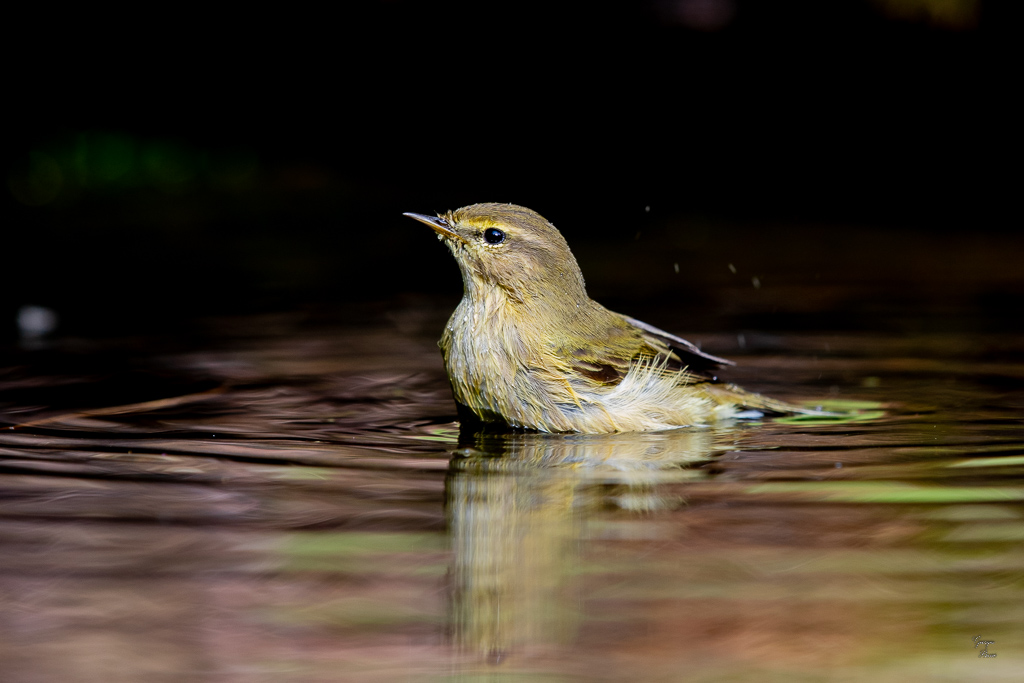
[439, 225]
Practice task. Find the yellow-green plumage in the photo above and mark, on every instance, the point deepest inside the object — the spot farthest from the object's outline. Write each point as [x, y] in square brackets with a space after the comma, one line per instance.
[528, 347]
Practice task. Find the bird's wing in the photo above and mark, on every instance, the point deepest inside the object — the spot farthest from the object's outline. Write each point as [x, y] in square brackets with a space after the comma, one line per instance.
[603, 359]
[702, 366]
[626, 341]
[687, 354]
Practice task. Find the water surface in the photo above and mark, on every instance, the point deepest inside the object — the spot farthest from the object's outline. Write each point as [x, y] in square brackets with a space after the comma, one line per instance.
[280, 500]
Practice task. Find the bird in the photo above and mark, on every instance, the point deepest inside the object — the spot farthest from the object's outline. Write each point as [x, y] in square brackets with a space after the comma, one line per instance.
[527, 348]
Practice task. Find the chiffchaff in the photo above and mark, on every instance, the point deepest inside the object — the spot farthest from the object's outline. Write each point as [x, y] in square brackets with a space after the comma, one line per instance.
[527, 347]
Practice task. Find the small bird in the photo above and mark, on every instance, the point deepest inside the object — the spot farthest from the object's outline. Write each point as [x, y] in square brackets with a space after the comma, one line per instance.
[528, 348]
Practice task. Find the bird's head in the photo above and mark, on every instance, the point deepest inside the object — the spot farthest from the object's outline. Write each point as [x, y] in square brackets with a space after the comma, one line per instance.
[510, 248]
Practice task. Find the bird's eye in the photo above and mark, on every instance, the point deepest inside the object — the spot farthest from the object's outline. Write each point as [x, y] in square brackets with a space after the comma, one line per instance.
[494, 236]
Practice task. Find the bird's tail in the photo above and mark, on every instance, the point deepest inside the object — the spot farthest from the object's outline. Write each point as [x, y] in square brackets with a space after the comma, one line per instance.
[733, 398]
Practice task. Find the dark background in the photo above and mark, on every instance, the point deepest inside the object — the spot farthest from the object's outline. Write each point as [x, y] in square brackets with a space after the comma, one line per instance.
[853, 161]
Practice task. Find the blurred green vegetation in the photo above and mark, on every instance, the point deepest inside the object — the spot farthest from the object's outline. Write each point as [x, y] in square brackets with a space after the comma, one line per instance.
[62, 169]
[890, 492]
[354, 552]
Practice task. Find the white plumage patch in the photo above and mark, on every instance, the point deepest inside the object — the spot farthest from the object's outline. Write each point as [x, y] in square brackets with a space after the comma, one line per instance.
[647, 398]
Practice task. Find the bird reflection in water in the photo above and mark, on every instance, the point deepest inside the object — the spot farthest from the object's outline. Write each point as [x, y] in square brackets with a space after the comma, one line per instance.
[518, 506]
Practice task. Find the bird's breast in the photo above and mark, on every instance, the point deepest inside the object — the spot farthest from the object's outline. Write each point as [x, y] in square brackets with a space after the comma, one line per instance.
[483, 352]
